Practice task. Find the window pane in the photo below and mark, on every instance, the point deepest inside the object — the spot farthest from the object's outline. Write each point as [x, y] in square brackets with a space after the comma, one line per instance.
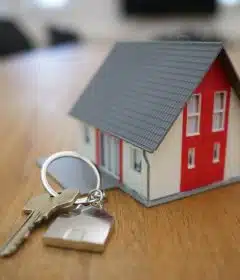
[216, 152]
[191, 158]
[138, 157]
[86, 133]
[137, 160]
[134, 156]
[218, 121]
[193, 104]
[219, 100]
[192, 125]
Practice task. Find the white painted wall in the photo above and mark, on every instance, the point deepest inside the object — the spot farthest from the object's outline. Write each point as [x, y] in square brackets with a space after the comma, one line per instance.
[87, 149]
[131, 178]
[232, 166]
[165, 163]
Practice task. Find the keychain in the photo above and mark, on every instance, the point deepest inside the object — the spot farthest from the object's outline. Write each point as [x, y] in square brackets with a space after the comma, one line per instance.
[87, 226]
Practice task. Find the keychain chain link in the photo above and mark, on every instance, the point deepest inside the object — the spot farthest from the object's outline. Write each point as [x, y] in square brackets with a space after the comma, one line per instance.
[96, 198]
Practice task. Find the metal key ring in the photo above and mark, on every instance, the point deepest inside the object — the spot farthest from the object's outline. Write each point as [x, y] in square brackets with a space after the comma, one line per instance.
[58, 155]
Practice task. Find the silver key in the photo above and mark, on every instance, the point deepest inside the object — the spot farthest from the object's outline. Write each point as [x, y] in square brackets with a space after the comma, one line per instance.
[39, 208]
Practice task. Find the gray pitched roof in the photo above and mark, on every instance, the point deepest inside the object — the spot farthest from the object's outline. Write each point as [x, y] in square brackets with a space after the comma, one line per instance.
[141, 88]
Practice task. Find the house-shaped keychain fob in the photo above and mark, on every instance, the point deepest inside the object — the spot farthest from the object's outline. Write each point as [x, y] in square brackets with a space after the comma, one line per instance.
[88, 229]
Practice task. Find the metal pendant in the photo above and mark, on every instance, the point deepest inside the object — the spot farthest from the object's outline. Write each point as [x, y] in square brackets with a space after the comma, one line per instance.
[86, 229]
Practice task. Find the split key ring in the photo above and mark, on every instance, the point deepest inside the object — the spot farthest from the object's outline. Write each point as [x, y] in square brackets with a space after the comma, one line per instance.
[94, 197]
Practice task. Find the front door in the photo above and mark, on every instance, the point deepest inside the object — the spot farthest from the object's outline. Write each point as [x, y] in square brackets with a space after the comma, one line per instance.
[205, 123]
[109, 154]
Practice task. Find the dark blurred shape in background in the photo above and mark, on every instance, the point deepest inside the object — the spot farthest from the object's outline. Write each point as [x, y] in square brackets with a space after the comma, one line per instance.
[13, 39]
[168, 8]
[58, 36]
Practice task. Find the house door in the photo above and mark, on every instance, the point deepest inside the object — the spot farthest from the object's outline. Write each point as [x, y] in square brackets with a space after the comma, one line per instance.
[109, 154]
[205, 123]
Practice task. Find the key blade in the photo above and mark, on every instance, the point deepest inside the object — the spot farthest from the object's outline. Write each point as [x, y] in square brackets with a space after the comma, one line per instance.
[14, 241]
[40, 208]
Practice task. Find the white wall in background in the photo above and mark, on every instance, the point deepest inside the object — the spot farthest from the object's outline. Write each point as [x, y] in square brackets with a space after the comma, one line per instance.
[101, 19]
[48, 4]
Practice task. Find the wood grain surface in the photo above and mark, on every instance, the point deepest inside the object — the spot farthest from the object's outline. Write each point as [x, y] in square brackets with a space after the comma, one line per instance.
[194, 238]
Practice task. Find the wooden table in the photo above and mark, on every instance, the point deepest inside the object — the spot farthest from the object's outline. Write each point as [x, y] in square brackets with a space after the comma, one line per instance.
[194, 238]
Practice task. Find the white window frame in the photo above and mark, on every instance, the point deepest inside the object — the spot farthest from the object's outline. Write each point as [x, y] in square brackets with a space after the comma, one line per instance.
[193, 164]
[197, 114]
[217, 146]
[137, 167]
[219, 111]
[87, 134]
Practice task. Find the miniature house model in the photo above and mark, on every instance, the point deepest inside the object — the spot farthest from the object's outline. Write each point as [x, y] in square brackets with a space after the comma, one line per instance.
[163, 118]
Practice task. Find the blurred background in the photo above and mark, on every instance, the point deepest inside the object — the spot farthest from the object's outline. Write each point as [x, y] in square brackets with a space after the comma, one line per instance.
[29, 24]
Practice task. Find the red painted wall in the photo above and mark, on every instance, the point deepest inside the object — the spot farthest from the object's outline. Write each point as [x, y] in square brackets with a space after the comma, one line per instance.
[205, 171]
